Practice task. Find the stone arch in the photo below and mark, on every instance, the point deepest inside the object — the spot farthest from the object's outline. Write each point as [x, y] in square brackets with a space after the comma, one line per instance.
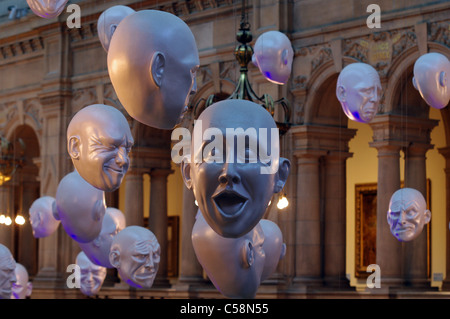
[322, 105]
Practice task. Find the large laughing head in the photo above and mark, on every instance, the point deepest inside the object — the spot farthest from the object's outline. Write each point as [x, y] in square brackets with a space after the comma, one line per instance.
[234, 168]
[98, 141]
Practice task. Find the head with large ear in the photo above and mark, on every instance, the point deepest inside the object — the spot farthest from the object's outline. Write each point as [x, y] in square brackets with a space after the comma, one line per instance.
[80, 207]
[99, 141]
[108, 22]
[273, 246]
[22, 288]
[7, 272]
[273, 55]
[47, 8]
[135, 253]
[234, 168]
[358, 90]
[152, 64]
[432, 78]
[92, 276]
[407, 214]
[42, 220]
[234, 265]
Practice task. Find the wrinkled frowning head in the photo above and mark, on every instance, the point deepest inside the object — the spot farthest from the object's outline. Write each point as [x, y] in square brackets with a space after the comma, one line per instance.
[91, 275]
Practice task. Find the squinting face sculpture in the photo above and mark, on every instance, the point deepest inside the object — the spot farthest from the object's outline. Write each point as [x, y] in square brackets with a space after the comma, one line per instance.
[7, 272]
[99, 141]
[273, 56]
[358, 90]
[407, 214]
[432, 78]
[231, 175]
[108, 22]
[234, 265]
[91, 276]
[42, 220]
[80, 207]
[98, 250]
[135, 253]
[22, 288]
[47, 8]
[152, 64]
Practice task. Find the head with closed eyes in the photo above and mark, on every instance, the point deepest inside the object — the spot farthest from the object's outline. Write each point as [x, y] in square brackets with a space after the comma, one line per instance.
[99, 141]
[91, 275]
[407, 214]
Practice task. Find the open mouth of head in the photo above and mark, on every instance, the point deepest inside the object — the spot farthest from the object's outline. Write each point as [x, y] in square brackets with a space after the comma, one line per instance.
[114, 169]
[230, 203]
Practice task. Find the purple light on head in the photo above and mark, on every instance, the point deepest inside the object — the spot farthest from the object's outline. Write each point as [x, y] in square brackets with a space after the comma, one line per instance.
[267, 74]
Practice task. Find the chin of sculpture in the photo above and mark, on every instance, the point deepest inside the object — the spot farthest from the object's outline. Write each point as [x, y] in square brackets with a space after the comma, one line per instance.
[47, 8]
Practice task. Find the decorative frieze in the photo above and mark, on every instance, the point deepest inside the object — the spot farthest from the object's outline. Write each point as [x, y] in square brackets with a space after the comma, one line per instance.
[21, 48]
[439, 32]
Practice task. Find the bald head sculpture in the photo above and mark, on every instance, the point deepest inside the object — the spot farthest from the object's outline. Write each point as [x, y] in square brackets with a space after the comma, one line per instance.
[135, 253]
[273, 56]
[358, 90]
[92, 276]
[22, 288]
[152, 64]
[7, 272]
[99, 141]
[42, 220]
[229, 170]
[47, 8]
[432, 79]
[108, 22]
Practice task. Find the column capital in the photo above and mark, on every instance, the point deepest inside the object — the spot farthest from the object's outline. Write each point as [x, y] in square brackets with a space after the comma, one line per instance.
[445, 151]
[388, 147]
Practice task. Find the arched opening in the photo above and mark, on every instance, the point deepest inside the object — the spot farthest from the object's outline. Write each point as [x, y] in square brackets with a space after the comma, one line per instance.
[25, 189]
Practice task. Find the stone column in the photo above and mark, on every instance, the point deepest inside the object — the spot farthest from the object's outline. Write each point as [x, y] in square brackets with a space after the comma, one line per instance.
[158, 220]
[388, 140]
[191, 272]
[335, 220]
[445, 151]
[415, 261]
[134, 197]
[308, 256]
[6, 233]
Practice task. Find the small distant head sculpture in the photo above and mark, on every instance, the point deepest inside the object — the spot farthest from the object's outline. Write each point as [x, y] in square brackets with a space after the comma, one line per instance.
[358, 90]
[234, 265]
[98, 249]
[22, 288]
[432, 79]
[92, 276]
[407, 214]
[152, 64]
[80, 207]
[232, 176]
[108, 22]
[47, 8]
[273, 246]
[99, 141]
[7, 272]
[42, 220]
[135, 253]
[273, 56]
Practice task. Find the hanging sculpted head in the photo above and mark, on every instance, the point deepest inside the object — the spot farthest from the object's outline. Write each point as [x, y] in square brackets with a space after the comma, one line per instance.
[42, 220]
[47, 8]
[108, 22]
[7, 272]
[92, 276]
[22, 288]
[152, 64]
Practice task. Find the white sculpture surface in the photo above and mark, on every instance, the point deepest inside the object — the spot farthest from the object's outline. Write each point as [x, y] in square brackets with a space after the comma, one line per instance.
[273, 55]
[7, 272]
[22, 288]
[80, 207]
[99, 141]
[92, 276]
[233, 187]
[108, 22]
[407, 214]
[135, 253]
[432, 79]
[47, 8]
[152, 64]
[98, 250]
[234, 265]
[42, 220]
[274, 247]
[358, 90]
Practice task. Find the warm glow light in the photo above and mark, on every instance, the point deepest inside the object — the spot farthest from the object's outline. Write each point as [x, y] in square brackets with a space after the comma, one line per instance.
[20, 220]
[282, 202]
[196, 203]
[8, 221]
[2, 219]
[270, 202]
